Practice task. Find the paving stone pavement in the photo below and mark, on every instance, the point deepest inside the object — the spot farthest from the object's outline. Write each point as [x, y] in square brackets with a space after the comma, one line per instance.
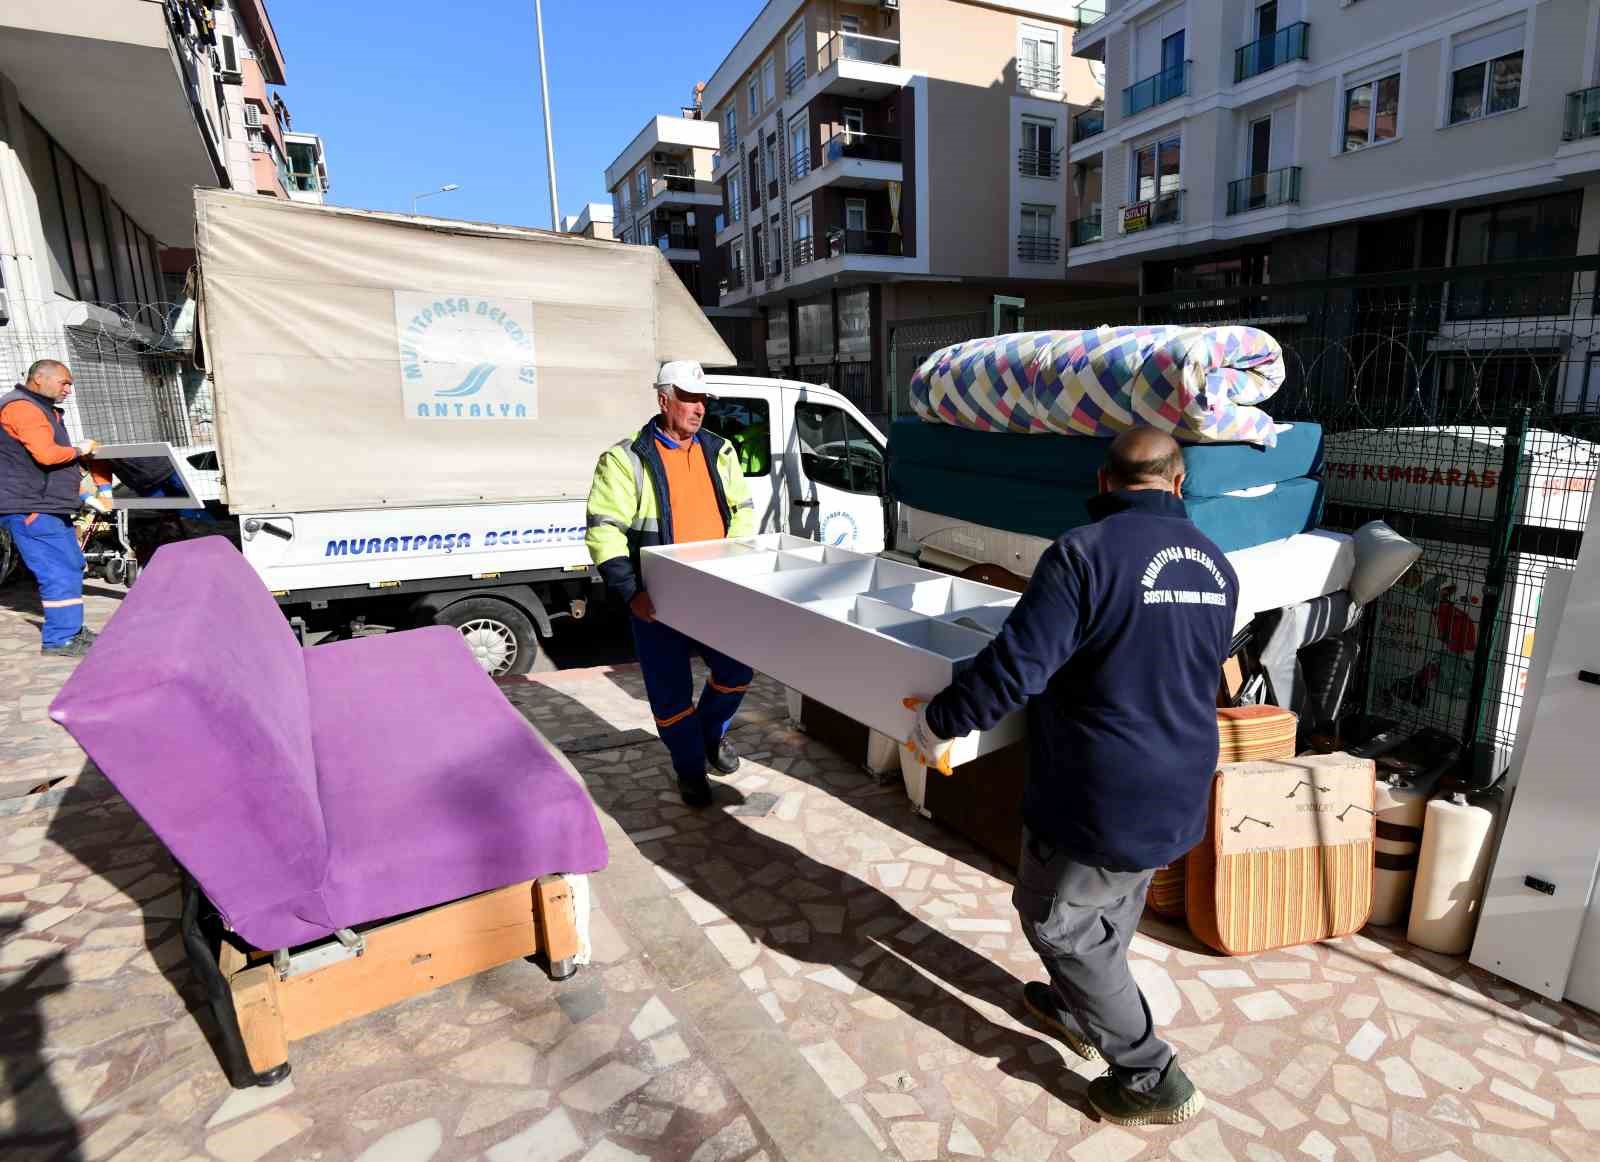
[833, 979]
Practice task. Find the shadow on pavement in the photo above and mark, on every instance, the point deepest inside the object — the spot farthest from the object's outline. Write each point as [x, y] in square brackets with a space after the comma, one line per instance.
[42, 1125]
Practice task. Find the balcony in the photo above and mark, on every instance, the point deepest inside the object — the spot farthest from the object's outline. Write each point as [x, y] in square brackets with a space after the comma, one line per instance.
[724, 157]
[1167, 85]
[1035, 77]
[883, 243]
[1279, 187]
[1089, 13]
[732, 281]
[1039, 163]
[678, 190]
[1281, 47]
[800, 164]
[1161, 210]
[1089, 123]
[852, 46]
[794, 78]
[862, 147]
[1087, 229]
[1038, 248]
[1583, 115]
[680, 240]
[805, 251]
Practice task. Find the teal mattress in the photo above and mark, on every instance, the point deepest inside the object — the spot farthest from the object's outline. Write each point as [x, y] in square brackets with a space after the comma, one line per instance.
[1073, 461]
[1048, 509]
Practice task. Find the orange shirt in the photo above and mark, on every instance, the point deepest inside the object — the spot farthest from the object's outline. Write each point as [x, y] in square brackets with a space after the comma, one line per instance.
[695, 515]
[26, 425]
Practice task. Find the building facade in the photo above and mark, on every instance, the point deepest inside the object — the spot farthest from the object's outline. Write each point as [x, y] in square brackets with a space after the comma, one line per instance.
[111, 113]
[593, 221]
[1246, 143]
[881, 162]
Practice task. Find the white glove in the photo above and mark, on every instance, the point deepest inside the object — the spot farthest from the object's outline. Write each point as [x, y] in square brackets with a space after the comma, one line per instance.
[87, 447]
[929, 748]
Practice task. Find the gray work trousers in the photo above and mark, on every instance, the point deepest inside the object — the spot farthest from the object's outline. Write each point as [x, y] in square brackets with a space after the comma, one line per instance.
[1080, 919]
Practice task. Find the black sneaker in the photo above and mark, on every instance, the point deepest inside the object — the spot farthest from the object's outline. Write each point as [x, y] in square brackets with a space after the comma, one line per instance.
[73, 647]
[695, 792]
[725, 758]
[1040, 1000]
[1174, 1101]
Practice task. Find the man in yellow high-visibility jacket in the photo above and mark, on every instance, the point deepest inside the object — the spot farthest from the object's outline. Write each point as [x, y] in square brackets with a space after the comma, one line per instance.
[669, 483]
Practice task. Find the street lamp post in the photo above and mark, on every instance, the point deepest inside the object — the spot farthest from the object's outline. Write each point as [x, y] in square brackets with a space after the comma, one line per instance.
[445, 189]
[549, 143]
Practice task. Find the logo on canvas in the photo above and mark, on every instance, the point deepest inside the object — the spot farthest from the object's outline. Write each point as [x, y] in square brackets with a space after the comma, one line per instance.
[840, 529]
[466, 357]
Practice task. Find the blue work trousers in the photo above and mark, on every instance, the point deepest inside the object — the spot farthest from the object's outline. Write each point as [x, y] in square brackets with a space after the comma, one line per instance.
[49, 547]
[689, 731]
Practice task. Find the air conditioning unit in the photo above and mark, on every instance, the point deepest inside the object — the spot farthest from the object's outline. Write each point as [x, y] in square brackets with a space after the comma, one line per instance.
[661, 158]
[888, 5]
[228, 56]
[252, 115]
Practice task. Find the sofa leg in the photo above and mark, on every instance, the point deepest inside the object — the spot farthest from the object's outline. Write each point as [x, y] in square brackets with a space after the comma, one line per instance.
[242, 1068]
[557, 924]
[255, 1000]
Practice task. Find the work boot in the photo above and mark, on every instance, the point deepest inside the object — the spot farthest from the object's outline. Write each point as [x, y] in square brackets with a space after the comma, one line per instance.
[695, 792]
[1040, 1000]
[1173, 1101]
[74, 647]
[724, 757]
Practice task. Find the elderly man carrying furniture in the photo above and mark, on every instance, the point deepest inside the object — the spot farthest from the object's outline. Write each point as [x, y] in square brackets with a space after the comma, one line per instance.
[669, 483]
[1114, 649]
[40, 474]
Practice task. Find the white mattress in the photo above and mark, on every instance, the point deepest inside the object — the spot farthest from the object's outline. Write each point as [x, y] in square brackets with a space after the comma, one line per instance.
[1279, 573]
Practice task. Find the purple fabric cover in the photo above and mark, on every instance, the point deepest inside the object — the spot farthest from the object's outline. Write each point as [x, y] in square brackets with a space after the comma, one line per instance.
[309, 790]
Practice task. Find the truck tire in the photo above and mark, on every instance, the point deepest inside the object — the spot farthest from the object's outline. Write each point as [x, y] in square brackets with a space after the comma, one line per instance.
[499, 634]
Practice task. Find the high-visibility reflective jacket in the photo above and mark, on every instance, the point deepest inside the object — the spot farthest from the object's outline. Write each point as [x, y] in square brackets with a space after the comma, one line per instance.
[629, 505]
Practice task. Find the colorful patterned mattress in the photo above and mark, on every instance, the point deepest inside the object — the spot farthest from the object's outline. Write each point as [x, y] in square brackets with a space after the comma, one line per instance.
[1201, 384]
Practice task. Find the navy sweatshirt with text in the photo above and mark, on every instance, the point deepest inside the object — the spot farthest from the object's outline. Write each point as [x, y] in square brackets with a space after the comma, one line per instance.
[1115, 649]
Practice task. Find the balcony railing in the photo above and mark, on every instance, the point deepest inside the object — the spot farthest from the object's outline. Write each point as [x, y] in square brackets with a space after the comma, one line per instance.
[852, 46]
[1087, 229]
[1279, 187]
[1089, 123]
[305, 183]
[1281, 47]
[800, 163]
[863, 146]
[733, 280]
[1038, 248]
[1090, 13]
[1032, 75]
[794, 78]
[1161, 210]
[677, 184]
[735, 210]
[1039, 163]
[879, 242]
[681, 240]
[1167, 85]
[1583, 115]
[804, 251]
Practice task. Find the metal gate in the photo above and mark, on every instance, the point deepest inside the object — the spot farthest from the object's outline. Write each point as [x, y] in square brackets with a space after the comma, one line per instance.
[1460, 405]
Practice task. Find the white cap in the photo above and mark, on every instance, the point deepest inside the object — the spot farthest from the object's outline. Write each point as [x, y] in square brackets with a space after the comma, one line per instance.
[683, 374]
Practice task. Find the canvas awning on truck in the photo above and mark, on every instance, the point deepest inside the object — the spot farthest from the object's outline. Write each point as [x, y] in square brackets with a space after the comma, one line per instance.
[372, 360]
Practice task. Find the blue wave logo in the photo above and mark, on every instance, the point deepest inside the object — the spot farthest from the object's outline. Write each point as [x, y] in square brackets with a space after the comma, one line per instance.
[471, 385]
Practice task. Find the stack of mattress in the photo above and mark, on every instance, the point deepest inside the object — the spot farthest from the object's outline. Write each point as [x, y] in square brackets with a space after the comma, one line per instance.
[1240, 495]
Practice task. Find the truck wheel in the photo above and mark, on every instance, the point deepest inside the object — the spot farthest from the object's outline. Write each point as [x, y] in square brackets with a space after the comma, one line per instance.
[500, 635]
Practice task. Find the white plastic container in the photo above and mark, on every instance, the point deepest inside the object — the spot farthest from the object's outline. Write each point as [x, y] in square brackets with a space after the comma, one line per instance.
[1447, 899]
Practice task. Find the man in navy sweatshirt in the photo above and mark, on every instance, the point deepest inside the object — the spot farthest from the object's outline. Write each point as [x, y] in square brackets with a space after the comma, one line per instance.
[1115, 649]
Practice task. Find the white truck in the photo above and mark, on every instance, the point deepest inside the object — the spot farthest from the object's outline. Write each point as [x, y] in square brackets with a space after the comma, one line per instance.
[409, 411]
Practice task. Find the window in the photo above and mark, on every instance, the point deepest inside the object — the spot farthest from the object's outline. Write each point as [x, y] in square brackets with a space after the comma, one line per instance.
[855, 122]
[1157, 169]
[855, 215]
[1267, 20]
[775, 250]
[855, 322]
[769, 80]
[850, 33]
[645, 234]
[1486, 76]
[799, 147]
[757, 251]
[1038, 222]
[1260, 146]
[1512, 231]
[1038, 148]
[736, 257]
[836, 451]
[735, 199]
[730, 128]
[228, 54]
[1038, 60]
[813, 330]
[752, 94]
[747, 425]
[803, 251]
[769, 165]
[1372, 112]
[642, 180]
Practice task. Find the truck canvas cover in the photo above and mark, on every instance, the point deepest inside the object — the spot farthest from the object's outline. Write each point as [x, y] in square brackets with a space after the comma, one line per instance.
[370, 360]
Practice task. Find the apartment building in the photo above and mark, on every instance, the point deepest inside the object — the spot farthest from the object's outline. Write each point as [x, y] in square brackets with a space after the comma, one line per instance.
[880, 163]
[111, 113]
[1245, 143]
[593, 221]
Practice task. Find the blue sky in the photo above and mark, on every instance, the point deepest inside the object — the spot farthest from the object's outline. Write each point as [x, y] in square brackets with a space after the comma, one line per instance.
[449, 92]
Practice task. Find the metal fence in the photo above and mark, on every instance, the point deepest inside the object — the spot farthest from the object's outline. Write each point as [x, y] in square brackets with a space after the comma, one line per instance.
[129, 371]
[1463, 407]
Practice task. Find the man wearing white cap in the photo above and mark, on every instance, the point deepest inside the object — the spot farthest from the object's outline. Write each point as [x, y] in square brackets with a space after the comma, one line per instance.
[669, 483]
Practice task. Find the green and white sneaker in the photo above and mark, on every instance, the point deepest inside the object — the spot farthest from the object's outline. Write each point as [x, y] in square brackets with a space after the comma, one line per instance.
[1040, 1000]
[1170, 1103]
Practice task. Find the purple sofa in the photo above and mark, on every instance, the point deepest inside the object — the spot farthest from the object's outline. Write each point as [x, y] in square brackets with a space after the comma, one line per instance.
[311, 790]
